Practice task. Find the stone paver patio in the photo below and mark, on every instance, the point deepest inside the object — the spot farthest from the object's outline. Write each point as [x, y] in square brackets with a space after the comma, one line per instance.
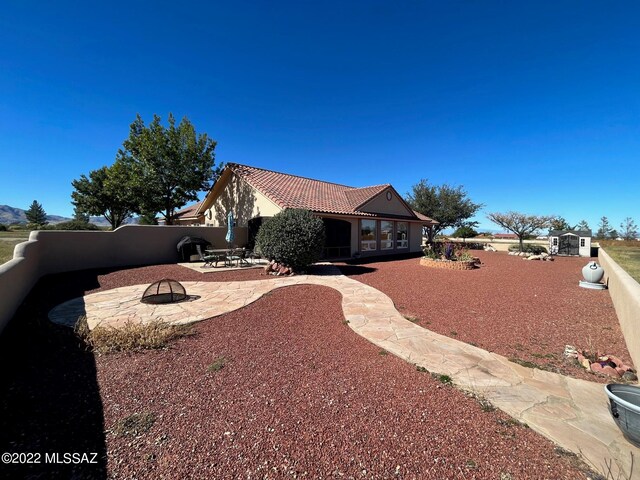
[571, 412]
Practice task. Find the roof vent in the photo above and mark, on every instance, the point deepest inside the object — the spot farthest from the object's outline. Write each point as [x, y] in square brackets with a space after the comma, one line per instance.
[164, 291]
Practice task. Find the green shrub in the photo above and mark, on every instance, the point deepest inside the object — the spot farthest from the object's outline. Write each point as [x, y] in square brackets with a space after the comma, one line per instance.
[72, 225]
[3, 228]
[534, 249]
[293, 237]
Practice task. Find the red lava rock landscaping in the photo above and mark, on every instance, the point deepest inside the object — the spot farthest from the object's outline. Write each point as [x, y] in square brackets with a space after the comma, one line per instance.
[299, 394]
[448, 264]
[526, 311]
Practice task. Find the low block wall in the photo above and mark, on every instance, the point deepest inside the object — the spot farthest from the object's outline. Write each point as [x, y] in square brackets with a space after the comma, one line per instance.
[47, 252]
[625, 294]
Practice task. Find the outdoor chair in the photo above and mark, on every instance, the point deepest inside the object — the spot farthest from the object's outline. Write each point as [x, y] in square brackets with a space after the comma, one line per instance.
[234, 255]
[208, 259]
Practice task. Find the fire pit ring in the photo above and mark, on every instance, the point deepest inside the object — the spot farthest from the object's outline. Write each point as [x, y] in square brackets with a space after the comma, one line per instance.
[164, 291]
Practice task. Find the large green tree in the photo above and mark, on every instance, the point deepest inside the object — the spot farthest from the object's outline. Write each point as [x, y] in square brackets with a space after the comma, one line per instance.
[521, 224]
[107, 191]
[36, 215]
[169, 165]
[444, 203]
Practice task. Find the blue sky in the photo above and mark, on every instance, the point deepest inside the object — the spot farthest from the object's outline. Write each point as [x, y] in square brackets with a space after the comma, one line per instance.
[531, 106]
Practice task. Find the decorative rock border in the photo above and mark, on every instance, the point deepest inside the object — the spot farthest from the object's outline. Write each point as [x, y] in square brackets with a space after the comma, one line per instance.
[449, 264]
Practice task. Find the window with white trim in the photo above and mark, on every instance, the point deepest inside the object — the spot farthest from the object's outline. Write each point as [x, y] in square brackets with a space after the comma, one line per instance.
[386, 235]
[402, 234]
[368, 235]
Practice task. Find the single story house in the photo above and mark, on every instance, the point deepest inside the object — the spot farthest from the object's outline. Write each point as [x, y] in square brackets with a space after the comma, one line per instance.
[358, 221]
[570, 242]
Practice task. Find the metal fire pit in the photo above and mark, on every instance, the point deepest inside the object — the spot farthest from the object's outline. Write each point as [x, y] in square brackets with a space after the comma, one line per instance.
[164, 291]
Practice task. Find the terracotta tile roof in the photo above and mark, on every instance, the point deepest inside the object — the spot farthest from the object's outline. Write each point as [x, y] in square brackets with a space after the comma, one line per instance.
[189, 211]
[291, 191]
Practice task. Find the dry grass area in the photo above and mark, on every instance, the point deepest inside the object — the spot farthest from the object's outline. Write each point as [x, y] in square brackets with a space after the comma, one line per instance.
[8, 241]
[626, 254]
[131, 336]
[6, 248]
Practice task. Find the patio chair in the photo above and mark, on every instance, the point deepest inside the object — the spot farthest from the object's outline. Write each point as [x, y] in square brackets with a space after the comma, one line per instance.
[207, 259]
[234, 255]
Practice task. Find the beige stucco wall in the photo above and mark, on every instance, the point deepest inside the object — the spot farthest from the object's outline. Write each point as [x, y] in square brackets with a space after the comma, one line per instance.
[415, 237]
[625, 294]
[48, 252]
[380, 204]
[500, 244]
[245, 202]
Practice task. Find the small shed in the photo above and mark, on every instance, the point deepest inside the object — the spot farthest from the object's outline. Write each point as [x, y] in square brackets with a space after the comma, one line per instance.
[570, 242]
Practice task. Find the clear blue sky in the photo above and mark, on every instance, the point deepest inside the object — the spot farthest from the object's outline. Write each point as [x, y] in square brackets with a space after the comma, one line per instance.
[531, 106]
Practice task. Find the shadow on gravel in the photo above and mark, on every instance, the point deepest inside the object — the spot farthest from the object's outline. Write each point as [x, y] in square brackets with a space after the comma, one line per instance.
[350, 270]
[49, 398]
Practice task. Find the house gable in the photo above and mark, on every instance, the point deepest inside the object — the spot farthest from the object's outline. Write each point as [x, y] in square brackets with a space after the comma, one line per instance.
[387, 202]
[232, 193]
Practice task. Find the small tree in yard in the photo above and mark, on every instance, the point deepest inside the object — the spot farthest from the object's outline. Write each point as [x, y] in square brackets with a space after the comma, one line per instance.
[446, 204]
[520, 223]
[36, 215]
[293, 237]
[464, 232]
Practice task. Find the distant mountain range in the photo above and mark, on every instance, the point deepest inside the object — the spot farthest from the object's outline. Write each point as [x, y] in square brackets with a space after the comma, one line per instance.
[9, 215]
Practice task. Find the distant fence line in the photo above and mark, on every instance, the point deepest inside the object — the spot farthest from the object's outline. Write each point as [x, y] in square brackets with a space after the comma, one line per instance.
[625, 294]
[49, 252]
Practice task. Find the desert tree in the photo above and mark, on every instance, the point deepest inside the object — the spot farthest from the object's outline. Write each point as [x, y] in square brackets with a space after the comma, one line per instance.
[628, 229]
[521, 224]
[106, 192]
[36, 215]
[169, 165]
[446, 204]
[465, 231]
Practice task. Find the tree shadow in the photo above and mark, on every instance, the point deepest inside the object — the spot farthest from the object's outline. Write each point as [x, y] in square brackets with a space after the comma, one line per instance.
[239, 198]
[351, 270]
[49, 396]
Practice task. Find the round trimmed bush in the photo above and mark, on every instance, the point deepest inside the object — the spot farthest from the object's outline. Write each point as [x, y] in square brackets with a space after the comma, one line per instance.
[293, 237]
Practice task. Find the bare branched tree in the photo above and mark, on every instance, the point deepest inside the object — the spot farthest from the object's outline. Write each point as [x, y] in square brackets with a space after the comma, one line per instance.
[521, 224]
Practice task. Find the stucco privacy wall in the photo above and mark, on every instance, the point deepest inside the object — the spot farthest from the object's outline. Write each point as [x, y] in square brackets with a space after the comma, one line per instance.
[49, 252]
[625, 294]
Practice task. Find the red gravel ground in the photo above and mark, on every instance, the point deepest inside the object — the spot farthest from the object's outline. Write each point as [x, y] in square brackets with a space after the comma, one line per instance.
[301, 395]
[526, 310]
[300, 392]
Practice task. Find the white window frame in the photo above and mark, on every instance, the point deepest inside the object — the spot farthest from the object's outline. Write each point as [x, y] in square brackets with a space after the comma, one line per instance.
[387, 244]
[404, 243]
[369, 245]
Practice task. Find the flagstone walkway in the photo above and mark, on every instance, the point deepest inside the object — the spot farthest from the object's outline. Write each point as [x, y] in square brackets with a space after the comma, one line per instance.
[573, 413]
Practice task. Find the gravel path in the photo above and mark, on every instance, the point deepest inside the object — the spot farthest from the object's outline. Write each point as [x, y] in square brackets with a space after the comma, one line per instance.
[303, 395]
[524, 310]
